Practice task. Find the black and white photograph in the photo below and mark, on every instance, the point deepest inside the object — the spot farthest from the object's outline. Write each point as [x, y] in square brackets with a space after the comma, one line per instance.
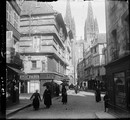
[66, 59]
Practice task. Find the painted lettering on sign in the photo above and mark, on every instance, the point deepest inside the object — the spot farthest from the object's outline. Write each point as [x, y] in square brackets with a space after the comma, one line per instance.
[29, 77]
[47, 76]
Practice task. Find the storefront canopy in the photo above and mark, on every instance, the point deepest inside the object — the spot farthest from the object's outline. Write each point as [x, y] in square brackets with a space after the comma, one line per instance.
[16, 70]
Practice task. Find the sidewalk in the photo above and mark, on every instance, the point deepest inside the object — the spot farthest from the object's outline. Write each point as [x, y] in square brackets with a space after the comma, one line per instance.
[23, 103]
[105, 115]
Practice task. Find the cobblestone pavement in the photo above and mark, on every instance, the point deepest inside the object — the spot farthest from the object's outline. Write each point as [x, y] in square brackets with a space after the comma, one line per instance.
[81, 105]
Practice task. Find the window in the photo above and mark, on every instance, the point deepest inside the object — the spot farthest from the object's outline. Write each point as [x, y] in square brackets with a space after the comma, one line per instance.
[114, 34]
[16, 20]
[43, 66]
[94, 50]
[34, 65]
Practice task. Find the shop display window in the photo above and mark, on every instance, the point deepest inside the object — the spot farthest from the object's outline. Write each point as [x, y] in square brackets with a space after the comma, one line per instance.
[120, 92]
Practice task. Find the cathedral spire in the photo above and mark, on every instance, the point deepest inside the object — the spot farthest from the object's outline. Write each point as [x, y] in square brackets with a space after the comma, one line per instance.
[96, 26]
[70, 23]
[68, 15]
[89, 29]
[90, 19]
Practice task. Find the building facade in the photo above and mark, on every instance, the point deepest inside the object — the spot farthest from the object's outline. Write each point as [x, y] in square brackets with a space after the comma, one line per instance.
[13, 60]
[118, 54]
[80, 74]
[93, 56]
[94, 61]
[43, 34]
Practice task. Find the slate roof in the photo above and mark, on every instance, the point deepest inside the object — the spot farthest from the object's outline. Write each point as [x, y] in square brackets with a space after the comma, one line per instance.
[40, 8]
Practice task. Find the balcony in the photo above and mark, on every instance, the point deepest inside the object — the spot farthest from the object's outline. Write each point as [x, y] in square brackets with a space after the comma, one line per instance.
[16, 60]
[13, 57]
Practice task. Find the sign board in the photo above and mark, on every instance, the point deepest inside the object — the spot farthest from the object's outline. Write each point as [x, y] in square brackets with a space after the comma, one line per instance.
[29, 77]
[47, 76]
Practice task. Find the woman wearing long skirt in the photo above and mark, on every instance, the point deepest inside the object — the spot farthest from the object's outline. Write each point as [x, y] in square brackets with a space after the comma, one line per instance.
[98, 95]
[64, 95]
[36, 100]
[106, 99]
[47, 97]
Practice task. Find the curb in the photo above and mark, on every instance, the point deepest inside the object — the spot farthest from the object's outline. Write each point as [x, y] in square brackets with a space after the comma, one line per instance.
[10, 114]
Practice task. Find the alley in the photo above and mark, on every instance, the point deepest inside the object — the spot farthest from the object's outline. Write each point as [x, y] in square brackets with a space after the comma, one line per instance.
[81, 105]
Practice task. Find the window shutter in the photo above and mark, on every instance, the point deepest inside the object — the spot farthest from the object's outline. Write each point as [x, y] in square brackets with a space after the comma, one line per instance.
[9, 35]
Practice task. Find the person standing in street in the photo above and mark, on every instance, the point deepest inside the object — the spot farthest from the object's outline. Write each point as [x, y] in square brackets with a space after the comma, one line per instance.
[76, 89]
[57, 90]
[106, 99]
[47, 97]
[98, 95]
[64, 95]
[36, 100]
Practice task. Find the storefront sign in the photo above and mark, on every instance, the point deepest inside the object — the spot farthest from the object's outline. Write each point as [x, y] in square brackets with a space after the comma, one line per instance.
[29, 77]
[47, 76]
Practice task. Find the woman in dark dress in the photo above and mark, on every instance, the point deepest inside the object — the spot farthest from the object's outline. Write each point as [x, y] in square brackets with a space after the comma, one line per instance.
[98, 95]
[64, 95]
[106, 99]
[47, 97]
[36, 100]
[57, 90]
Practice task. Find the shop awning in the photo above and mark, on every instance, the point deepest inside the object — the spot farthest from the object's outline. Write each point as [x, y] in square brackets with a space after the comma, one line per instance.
[58, 82]
[16, 70]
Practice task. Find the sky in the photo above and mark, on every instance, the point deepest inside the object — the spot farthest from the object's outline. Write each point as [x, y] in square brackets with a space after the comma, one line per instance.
[79, 12]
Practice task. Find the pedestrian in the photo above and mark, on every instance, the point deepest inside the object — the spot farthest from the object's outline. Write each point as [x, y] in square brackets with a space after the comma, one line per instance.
[36, 100]
[76, 89]
[57, 90]
[64, 95]
[98, 95]
[106, 99]
[47, 97]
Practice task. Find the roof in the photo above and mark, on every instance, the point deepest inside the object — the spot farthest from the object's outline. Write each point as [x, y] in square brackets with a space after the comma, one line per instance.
[34, 7]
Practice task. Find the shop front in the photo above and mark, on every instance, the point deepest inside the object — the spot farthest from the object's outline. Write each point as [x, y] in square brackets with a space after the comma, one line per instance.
[12, 85]
[29, 83]
[118, 84]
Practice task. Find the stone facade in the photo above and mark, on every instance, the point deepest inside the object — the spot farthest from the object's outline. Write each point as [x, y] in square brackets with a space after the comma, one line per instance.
[13, 59]
[42, 43]
[118, 53]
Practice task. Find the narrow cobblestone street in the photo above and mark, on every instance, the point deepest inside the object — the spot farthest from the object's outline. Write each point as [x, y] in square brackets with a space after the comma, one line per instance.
[81, 105]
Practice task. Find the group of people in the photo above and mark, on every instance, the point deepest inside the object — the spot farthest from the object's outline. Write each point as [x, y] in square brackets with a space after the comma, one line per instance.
[47, 98]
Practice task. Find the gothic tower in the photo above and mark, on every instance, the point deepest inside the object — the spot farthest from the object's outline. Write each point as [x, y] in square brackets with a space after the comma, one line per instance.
[89, 29]
[68, 16]
[70, 23]
[96, 26]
